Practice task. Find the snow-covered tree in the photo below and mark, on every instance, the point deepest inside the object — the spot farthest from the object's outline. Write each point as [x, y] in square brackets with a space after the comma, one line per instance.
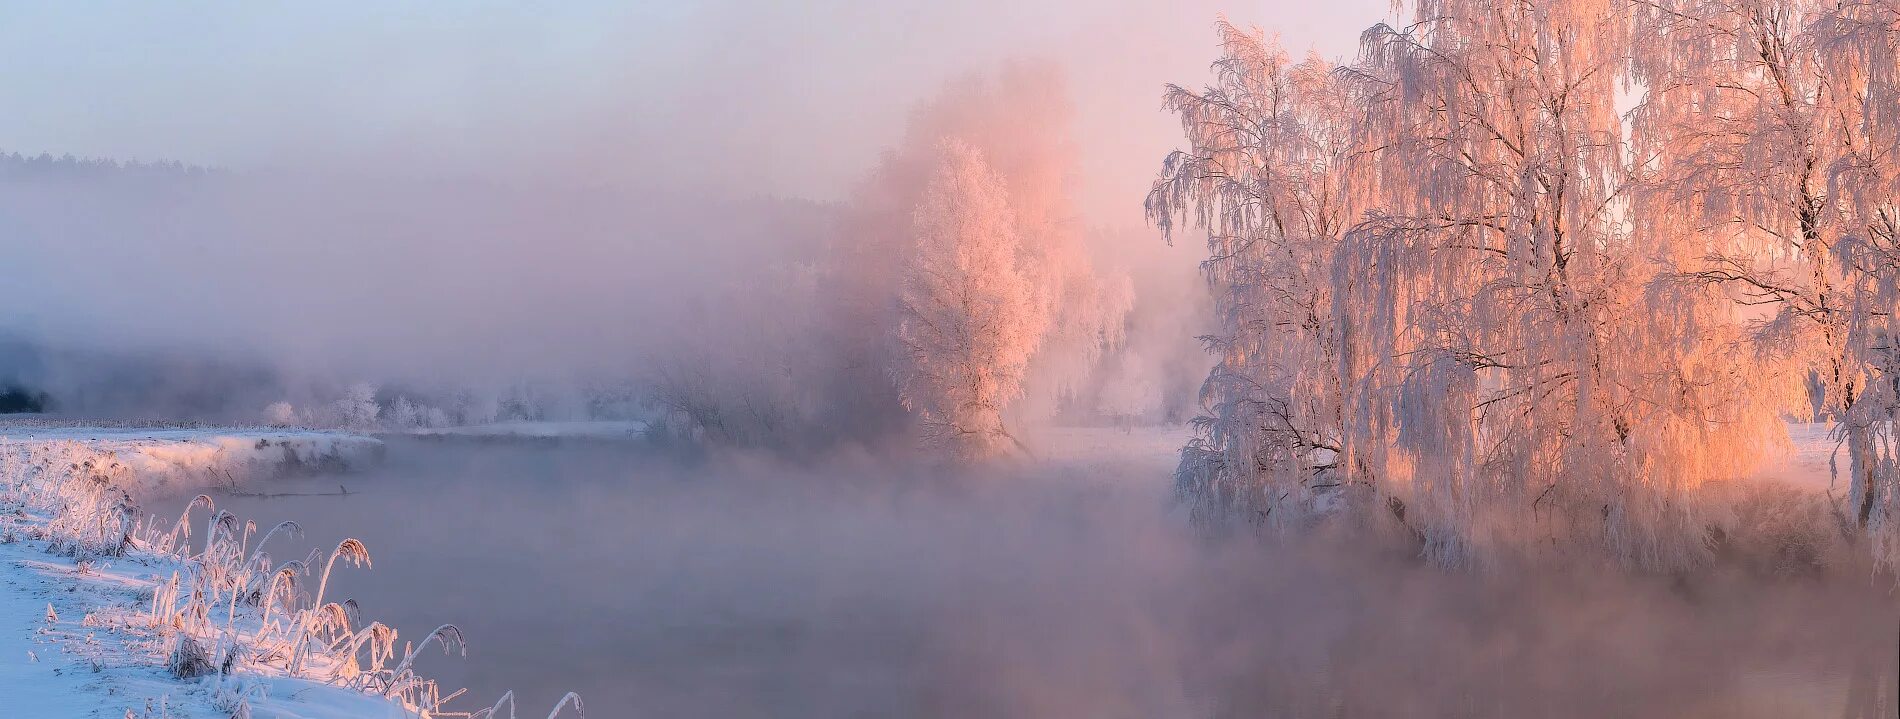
[1450, 293]
[1762, 153]
[971, 319]
[1018, 121]
[404, 414]
[357, 409]
[1732, 144]
[1523, 376]
[1859, 46]
[1266, 174]
[280, 414]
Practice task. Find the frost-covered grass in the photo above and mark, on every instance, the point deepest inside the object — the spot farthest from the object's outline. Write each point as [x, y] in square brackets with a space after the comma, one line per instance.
[106, 611]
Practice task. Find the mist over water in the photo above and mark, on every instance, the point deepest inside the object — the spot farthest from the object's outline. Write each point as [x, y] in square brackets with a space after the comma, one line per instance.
[861, 586]
[704, 218]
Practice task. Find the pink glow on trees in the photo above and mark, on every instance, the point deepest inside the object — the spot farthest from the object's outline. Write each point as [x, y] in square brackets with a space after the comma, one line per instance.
[1015, 123]
[1522, 365]
[971, 317]
[1859, 46]
[1459, 288]
[1265, 173]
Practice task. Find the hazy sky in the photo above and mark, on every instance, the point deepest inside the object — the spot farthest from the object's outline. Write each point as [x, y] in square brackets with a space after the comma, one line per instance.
[662, 112]
[798, 97]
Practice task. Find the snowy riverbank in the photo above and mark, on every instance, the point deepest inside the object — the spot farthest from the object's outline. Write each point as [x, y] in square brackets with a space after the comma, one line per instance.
[105, 612]
[176, 460]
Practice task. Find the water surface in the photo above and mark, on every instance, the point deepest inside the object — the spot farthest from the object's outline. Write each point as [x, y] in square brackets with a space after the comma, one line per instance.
[1060, 587]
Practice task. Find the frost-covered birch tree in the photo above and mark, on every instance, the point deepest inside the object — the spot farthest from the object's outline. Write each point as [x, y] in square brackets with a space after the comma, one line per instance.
[971, 319]
[1265, 175]
[1020, 119]
[1451, 294]
[1497, 231]
[357, 409]
[1759, 147]
[1859, 46]
[1731, 144]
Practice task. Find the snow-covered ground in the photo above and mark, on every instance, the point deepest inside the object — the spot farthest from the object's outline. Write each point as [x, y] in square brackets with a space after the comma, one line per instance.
[156, 460]
[72, 644]
[97, 601]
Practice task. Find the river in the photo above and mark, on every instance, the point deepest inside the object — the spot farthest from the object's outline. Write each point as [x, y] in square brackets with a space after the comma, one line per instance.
[1062, 586]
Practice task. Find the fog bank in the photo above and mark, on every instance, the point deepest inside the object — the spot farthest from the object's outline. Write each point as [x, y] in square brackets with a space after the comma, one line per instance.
[484, 195]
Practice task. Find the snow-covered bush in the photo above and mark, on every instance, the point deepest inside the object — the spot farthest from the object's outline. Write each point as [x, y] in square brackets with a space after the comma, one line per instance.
[403, 414]
[280, 414]
[357, 408]
[189, 658]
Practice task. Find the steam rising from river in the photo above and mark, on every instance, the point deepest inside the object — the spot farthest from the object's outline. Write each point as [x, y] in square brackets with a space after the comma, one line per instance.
[862, 587]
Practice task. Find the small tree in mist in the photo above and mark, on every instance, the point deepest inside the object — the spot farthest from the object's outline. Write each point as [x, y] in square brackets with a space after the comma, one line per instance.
[971, 320]
[404, 414]
[280, 414]
[807, 354]
[717, 388]
[1017, 121]
[357, 408]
